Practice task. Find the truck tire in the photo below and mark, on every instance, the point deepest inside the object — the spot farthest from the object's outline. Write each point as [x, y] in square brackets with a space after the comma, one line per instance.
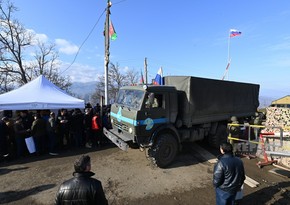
[133, 145]
[219, 137]
[163, 151]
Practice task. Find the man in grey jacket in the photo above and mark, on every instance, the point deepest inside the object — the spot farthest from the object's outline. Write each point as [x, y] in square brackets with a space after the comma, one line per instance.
[82, 188]
[228, 176]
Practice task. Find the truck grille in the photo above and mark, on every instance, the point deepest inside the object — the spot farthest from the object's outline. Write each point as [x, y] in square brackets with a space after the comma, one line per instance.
[120, 125]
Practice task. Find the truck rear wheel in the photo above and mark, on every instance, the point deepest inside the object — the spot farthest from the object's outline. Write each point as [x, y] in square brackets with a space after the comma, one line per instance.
[164, 150]
[219, 137]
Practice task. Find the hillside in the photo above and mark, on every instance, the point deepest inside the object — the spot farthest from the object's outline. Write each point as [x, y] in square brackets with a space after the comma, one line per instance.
[83, 90]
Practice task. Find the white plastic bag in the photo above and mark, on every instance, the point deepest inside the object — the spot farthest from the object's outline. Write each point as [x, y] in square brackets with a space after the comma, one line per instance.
[30, 144]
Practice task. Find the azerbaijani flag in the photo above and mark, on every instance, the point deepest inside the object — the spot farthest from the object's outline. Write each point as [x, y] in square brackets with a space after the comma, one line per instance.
[234, 32]
[159, 77]
[112, 32]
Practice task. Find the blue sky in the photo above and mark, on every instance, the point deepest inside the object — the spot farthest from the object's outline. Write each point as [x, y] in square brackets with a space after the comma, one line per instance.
[187, 37]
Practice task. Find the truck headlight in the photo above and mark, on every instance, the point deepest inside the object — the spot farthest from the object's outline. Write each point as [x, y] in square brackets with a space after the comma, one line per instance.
[112, 121]
[130, 130]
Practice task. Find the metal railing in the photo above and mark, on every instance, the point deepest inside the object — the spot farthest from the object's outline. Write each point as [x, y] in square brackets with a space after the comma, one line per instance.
[262, 139]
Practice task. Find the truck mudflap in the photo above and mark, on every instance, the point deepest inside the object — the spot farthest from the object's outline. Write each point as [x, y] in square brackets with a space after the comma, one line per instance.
[116, 140]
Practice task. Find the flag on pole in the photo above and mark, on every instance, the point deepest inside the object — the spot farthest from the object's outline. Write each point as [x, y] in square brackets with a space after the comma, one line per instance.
[112, 32]
[234, 32]
[142, 78]
[159, 77]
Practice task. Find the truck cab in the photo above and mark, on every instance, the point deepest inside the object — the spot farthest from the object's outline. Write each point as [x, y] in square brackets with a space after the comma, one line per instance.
[140, 115]
[139, 111]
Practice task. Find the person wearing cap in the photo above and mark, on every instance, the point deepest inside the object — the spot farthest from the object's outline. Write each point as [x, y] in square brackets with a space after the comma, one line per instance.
[77, 127]
[88, 127]
[51, 130]
[82, 188]
[63, 124]
[39, 133]
[11, 138]
[20, 134]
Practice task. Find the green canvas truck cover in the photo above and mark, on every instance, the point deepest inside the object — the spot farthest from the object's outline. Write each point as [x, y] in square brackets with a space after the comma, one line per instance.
[202, 100]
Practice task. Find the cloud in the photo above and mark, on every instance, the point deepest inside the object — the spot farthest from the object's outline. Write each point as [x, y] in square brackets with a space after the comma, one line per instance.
[125, 69]
[66, 47]
[38, 37]
[41, 37]
[63, 45]
[80, 72]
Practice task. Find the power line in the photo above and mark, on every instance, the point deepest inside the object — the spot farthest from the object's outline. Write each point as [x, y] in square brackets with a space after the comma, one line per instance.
[88, 37]
[119, 2]
[83, 43]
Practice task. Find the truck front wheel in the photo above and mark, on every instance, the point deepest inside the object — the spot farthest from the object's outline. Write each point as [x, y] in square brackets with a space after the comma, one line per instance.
[163, 151]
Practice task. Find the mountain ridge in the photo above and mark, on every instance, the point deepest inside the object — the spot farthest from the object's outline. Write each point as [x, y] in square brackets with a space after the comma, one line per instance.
[85, 90]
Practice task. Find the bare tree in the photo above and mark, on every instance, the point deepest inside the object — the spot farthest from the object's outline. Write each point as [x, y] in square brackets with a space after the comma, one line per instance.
[46, 63]
[132, 76]
[116, 80]
[5, 86]
[14, 39]
[16, 68]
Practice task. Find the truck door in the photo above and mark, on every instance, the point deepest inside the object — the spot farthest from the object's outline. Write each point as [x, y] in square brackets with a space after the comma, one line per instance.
[153, 113]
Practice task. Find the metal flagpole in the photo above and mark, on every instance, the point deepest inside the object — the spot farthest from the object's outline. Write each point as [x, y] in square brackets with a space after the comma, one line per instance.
[232, 33]
[229, 56]
[229, 59]
[229, 40]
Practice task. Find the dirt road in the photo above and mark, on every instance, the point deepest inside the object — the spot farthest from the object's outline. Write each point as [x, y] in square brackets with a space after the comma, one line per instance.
[128, 178]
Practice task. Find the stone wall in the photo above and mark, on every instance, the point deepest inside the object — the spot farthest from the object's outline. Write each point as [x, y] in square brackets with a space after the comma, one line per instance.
[278, 117]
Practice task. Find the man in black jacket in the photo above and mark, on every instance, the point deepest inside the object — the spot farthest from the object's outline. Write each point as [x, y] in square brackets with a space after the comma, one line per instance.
[81, 189]
[228, 176]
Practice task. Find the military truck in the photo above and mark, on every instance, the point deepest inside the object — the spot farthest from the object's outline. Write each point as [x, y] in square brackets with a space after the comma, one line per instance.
[159, 119]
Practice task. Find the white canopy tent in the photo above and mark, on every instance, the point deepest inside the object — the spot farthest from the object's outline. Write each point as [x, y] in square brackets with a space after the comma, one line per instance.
[38, 94]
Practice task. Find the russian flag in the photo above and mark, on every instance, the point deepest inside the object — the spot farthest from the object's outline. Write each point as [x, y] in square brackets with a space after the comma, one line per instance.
[234, 32]
[159, 77]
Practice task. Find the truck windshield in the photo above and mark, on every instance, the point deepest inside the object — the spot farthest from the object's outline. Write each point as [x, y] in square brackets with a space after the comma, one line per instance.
[130, 98]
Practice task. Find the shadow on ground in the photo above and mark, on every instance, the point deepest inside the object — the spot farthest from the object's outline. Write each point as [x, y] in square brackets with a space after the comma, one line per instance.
[277, 194]
[63, 153]
[11, 196]
[6, 171]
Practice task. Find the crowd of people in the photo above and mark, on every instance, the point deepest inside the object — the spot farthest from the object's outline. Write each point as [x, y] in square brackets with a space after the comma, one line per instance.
[53, 132]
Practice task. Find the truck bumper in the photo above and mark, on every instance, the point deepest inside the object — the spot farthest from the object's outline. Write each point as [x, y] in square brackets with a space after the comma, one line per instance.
[116, 140]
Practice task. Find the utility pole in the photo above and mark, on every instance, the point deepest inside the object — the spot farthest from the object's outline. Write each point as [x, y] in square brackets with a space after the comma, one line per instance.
[107, 51]
[145, 71]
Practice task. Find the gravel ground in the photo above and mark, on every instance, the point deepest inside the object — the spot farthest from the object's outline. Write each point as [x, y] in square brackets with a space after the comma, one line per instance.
[128, 178]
